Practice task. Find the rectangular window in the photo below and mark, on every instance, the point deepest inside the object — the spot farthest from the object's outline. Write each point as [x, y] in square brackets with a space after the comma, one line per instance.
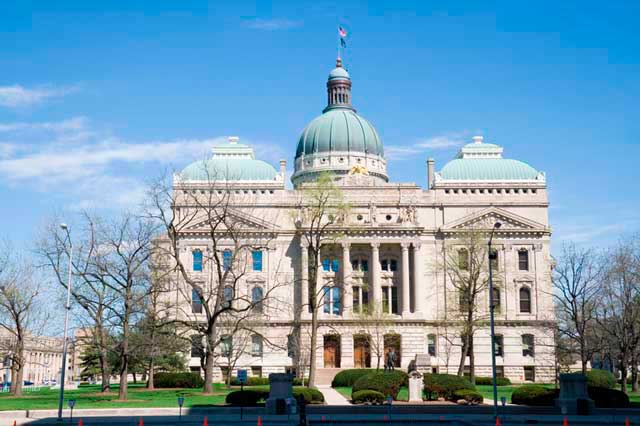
[326, 295]
[196, 302]
[356, 299]
[528, 345]
[499, 345]
[499, 371]
[431, 344]
[335, 265]
[493, 258]
[523, 260]
[385, 300]
[225, 345]
[364, 265]
[394, 300]
[383, 264]
[226, 260]
[496, 298]
[256, 257]
[291, 345]
[197, 349]
[325, 265]
[256, 371]
[197, 261]
[336, 300]
[530, 373]
[393, 265]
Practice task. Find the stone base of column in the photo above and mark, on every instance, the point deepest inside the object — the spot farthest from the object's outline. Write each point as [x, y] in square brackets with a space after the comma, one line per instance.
[406, 314]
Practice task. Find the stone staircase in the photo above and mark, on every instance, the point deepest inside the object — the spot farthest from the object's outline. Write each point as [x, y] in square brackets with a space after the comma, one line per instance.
[324, 376]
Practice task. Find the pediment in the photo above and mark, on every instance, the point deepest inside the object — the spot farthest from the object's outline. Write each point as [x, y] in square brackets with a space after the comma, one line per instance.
[485, 219]
[235, 219]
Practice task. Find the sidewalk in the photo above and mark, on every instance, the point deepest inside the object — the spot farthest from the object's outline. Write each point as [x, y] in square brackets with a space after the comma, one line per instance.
[332, 396]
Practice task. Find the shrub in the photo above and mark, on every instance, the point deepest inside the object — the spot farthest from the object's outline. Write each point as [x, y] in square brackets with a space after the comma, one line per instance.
[251, 381]
[299, 382]
[601, 379]
[349, 377]
[385, 383]
[608, 398]
[246, 398]
[472, 397]
[500, 381]
[444, 385]
[367, 396]
[534, 395]
[311, 396]
[178, 380]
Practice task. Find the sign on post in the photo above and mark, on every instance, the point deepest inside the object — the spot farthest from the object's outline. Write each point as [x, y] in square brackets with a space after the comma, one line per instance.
[242, 377]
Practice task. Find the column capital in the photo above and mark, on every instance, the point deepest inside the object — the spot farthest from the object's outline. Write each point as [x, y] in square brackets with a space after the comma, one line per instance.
[375, 245]
[346, 244]
[416, 245]
[304, 243]
[405, 245]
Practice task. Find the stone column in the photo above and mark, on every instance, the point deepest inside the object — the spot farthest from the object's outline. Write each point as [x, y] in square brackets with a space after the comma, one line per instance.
[375, 277]
[304, 277]
[418, 279]
[347, 290]
[406, 307]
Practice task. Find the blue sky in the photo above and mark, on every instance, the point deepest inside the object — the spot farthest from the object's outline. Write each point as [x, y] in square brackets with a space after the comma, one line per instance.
[98, 97]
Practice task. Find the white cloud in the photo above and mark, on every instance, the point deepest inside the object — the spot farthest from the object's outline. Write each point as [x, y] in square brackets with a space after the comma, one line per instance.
[72, 124]
[272, 24]
[17, 96]
[443, 142]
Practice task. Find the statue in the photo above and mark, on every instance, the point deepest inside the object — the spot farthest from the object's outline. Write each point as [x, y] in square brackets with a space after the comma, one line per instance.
[358, 170]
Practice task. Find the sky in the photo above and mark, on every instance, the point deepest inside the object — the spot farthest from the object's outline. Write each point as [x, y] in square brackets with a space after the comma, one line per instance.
[98, 98]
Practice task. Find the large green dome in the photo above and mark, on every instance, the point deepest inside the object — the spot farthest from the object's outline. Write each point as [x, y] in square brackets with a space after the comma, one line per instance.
[339, 129]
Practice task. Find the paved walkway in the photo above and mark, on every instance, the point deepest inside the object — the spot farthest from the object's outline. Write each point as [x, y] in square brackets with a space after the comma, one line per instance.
[332, 396]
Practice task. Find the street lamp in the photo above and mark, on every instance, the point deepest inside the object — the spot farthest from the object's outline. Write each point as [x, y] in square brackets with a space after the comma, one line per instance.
[493, 256]
[65, 228]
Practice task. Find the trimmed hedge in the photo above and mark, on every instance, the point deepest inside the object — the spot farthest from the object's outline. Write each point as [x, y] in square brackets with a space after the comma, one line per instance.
[444, 385]
[500, 381]
[349, 377]
[367, 397]
[472, 397]
[608, 398]
[298, 381]
[385, 383]
[534, 395]
[251, 381]
[600, 379]
[246, 398]
[310, 395]
[178, 380]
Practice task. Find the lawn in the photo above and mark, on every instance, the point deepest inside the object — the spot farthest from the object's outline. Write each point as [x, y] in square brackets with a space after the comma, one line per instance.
[91, 397]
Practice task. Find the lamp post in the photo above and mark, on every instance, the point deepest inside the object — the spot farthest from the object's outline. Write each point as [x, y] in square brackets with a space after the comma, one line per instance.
[493, 256]
[65, 228]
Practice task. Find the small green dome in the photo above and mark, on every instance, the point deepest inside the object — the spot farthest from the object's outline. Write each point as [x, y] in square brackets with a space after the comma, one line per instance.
[230, 162]
[487, 169]
[339, 129]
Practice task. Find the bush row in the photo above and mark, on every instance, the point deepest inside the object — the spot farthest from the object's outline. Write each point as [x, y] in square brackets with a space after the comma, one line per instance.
[178, 380]
[385, 383]
[262, 381]
[500, 381]
[470, 396]
[251, 397]
[537, 395]
[348, 377]
[445, 386]
[367, 397]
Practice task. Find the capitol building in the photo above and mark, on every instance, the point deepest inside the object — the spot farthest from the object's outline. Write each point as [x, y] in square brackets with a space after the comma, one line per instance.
[386, 274]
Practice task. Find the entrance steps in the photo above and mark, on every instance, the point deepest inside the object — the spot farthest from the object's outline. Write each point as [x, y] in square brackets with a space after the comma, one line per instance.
[324, 376]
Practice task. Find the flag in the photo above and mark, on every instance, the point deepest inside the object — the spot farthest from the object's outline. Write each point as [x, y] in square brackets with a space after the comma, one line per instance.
[342, 42]
[342, 32]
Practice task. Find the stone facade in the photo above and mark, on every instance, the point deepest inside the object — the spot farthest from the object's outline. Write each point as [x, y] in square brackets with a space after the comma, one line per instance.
[390, 254]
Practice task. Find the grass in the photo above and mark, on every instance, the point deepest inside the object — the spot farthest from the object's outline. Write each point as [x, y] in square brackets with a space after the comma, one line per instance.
[91, 397]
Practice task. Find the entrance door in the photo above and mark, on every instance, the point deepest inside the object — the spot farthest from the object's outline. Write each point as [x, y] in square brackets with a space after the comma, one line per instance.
[361, 353]
[331, 351]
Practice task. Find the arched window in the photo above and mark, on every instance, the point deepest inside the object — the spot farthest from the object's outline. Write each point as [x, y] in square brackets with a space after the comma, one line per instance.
[463, 259]
[256, 345]
[226, 260]
[390, 265]
[227, 296]
[525, 300]
[257, 295]
[523, 260]
[197, 260]
[528, 345]
[360, 265]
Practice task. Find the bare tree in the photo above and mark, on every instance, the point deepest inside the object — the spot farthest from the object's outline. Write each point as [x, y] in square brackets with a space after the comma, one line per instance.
[619, 312]
[577, 280]
[20, 312]
[222, 219]
[376, 324]
[466, 262]
[318, 217]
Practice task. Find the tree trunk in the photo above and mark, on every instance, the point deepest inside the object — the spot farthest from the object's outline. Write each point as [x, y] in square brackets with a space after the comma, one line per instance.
[19, 379]
[623, 372]
[124, 368]
[472, 362]
[634, 376]
[463, 355]
[313, 278]
[135, 378]
[208, 364]
[14, 374]
[150, 384]
[104, 362]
